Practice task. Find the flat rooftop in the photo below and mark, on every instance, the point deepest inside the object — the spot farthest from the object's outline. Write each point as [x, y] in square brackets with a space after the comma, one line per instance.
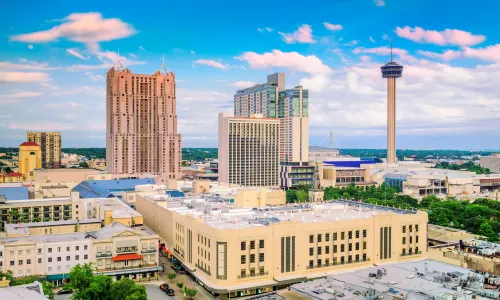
[24, 227]
[447, 234]
[119, 208]
[412, 280]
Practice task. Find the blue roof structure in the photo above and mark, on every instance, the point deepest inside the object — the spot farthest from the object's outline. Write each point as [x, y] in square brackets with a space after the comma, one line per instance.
[352, 163]
[14, 193]
[174, 193]
[108, 188]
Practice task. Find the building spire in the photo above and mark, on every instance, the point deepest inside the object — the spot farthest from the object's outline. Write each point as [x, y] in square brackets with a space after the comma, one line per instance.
[163, 67]
[391, 50]
[118, 64]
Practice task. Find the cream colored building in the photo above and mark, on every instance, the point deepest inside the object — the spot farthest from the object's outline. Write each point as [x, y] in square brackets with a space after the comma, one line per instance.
[52, 227]
[30, 158]
[99, 164]
[330, 175]
[249, 150]
[51, 146]
[55, 176]
[116, 250]
[259, 197]
[491, 162]
[141, 124]
[240, 251]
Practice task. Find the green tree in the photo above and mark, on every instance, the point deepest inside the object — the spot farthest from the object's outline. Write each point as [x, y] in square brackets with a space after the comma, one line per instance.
[137, 293]
[172, 276]
[180, 285]
[8, 275]
[291, 196]
[486, 230]
[48, 289]
[84, 164]
[81, 276]
[98, 289]
[191, 293]
[302, 196]
[120, 289]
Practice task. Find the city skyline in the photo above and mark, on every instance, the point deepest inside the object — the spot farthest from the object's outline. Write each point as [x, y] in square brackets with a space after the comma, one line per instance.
[52, 61]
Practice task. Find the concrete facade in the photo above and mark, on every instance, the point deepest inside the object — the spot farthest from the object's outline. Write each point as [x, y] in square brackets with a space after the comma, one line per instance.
[491, 162]
[51, 146]
[141, 125]
[30, 158]
[249, 150]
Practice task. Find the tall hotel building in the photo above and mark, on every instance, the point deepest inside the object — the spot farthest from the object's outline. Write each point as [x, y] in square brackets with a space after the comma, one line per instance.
[50, 144]
[141, 124]
[249, 150]
[290, 106]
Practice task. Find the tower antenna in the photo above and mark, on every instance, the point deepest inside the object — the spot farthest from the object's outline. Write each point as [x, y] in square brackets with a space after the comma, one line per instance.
[163, 67]
[391, 50]
[118, 64]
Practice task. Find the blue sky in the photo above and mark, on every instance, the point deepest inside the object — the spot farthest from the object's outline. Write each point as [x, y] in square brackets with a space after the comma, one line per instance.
[54, 56]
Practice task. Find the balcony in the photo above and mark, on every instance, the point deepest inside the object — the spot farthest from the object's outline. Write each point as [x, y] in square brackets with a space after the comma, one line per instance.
[252, 275]
[126, 249]
[67, 208]
[337, 264]
[148, 251]
[103, 255]
[108, 268]
[411, 254]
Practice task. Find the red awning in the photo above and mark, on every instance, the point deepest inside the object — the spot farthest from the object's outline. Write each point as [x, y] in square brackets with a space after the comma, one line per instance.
[121, 257]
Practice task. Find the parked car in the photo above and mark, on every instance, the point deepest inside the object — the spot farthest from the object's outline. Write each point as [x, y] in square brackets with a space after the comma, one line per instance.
[63, 292]
[179, 269]
[170, 292]
[164, 287]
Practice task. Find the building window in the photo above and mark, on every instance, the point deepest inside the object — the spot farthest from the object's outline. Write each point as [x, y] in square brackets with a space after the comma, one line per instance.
[39, 260]
[85, 256]
[416, 227]
[50, 259]
[319, 250]
[410, 228]
[319, 262]
[404, 229]
[342, 248]
[77, 257]
[20, 262]
[350, 246]
[261, 244]
[357, 234]
[327, 237]
[357, 246]
[364, 256]
[243, 273]
[342, 236]
[50, 250]
[243, 259]
[416, 239]
[11, 262]
[252, 245]
[243, 245]
[252, 258]
[350, 234]
[28, 261]
[327, 250]
[68, 258]
[59, 258]
[85, 247]
[334, 236]
[77, 248]
[311, 264]
[39, 251]
[334, 248]
[58, 249]
[50, 269]
[311, 238]
[404, 240]
[364, 233]
[364, 245]
[67, 249]
[319, 238]
[311, 251]
[357, 257]
[261, 257]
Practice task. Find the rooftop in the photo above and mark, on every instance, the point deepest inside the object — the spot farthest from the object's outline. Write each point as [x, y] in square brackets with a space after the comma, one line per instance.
[107, 188]
[413, 280]
[23, 228]
[14, 192]
[119, 208]
[32, 291]
[29, 144]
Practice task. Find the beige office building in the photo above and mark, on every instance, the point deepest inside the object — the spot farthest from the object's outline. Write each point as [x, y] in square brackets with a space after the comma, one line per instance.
[249, 150]
[491, 162]
[243, 251]
[141, 125]
[50, 143]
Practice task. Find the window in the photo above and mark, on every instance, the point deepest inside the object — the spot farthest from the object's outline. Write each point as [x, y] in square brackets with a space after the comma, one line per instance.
[67, 249]
[334, 248]
[243, 245]
[311, 251]
[350, 234]
[404, 251]
[311, 238]
[410, 228]
[319, 238]
[68, 258]
[334, 236]
[252, 245]
[350, 246]
[261, 270]
[416, 239]
[342, 235]
[342, 260]
[20, 262]
[364, 233]
[58, 249]
[327, 250]
[416, 250]
[58, 268]
[50, 269]
[349, 259]
[327, 237]
[28, 261]
[85, 247]
[357, 234]
[411, 239]
[261, 257]
[261, 244]
[357, 257]
[50, 250]
[243, 259]
[50, 259]
[319, 250]
[342, 248]
[364, 256]
[416, 227]
[357, 246]
[39, 260]
[404, 229]
[77, 257]
[364, 245]
[243, 273]
[59, 258]
[311, 264]
[20, 252]
[39, 251]
[11, 262]
[404, 240]
[28, 252]
[77, 248]
[327, 262]
[85, 256]
[252, 258]
[319, 262]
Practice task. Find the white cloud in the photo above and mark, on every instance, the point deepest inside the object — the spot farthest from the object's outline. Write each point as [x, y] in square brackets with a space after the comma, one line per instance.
[446, 56]
[379, 2]
[34, 125]
[23, 77]
[445, 37]
[269, 29]
[490, 53]
[30, 47]
[339, 52]
[132, 55]
[94, 77]
[243, 84]
[372, 40]
[192, 52]
[303, 35]
[290, 60]
[76, 53]
[352, 43]
[260, 30]
[403, 54]
[26, 65]
[211, 63]
[19, 94]
[142, 48]
[332, 27]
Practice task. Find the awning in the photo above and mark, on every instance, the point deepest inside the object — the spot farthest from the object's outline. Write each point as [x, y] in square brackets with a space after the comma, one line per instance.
[121, 257]
[57, 276]
[130, 271]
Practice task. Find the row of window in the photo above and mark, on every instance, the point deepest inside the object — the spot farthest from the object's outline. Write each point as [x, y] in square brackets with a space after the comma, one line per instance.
[28, 261]
[410, 251]
[342, 248]
[319, 236]
[410, 240]
[252, 272]
[252, 245]
[410, 228]
[326, 262]
[252, 258]
[39, 250]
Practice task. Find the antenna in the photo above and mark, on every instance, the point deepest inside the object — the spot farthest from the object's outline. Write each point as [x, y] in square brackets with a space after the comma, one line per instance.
[118, 64]
[163, 67]
[391, 50]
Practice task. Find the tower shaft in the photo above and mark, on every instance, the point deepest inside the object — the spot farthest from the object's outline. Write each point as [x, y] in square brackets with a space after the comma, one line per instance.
[391, 120]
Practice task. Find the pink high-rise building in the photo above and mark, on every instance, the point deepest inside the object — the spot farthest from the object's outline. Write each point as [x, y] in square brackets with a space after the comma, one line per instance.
[141, 125]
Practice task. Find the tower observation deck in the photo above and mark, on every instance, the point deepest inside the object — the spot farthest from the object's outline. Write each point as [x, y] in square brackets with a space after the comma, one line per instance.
[391, 71]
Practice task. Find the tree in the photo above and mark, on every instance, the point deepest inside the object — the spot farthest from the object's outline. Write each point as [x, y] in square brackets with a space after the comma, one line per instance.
[8, 275]
[486, 230]
[84, 164]
[7, 170]
[97, 290]
[172, 276]
[302, 196]
[291, 196]
[120, 289]
[137, 293]
[80, 276]
[180, 285]
[48, 289]
[191, 293]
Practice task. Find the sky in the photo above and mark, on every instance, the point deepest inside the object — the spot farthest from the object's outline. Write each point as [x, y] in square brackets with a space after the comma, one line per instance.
[54, 56]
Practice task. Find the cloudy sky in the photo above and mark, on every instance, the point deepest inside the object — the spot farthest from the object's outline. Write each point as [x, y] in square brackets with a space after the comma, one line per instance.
[54, 56]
